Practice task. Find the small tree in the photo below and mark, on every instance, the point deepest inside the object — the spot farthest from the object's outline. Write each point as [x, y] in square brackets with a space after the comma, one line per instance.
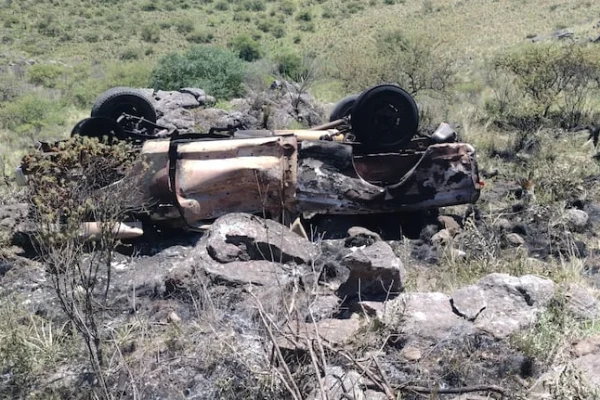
[553, 77]
[81, 181]
[246, 48]
[217, 70]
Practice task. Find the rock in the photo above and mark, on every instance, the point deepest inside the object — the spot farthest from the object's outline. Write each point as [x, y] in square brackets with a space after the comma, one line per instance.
[582, 302]
[359, 236]
[441, 238]
[586, 346]
[411, 353]
[173, 318]
[339, 384]
[424, 317]
[199, 95]
[244, 237]
[562, 34]
[449, 223]
[374, 271]
[500, 304]
[589, 365]
[238, 273]
[514, 240]
[575, 220]
[323, 307]
[335, 332]
[374, 395]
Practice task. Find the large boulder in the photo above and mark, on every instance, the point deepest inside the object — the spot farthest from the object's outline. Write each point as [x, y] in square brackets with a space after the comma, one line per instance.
[245, 237]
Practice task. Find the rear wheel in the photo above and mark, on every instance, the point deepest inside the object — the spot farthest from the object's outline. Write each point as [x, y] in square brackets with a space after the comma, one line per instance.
[384, 117]
[123, 100]
[343, 108]
[102, 128]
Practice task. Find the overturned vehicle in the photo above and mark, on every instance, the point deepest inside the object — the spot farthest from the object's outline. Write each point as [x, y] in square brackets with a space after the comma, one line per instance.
[370, 158]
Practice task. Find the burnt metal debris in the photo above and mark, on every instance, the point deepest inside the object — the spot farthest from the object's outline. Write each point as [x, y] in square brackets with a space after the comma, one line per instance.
[370, 159]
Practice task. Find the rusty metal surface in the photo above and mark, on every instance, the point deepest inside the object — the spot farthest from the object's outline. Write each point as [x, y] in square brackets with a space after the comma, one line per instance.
[218, 177]
[272, 175]
[446, 174]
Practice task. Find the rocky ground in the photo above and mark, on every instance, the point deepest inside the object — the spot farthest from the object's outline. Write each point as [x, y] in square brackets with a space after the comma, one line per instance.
[495, 300]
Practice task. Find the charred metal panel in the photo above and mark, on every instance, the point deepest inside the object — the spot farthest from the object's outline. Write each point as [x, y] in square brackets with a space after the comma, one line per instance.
[218, 177]
[444, 175]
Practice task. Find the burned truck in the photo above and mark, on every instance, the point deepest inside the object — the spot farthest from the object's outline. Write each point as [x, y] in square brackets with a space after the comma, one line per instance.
[369, 158]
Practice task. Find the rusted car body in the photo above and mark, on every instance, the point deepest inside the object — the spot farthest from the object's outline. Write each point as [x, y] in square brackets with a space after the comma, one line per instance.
[370, 158]
[191, 181]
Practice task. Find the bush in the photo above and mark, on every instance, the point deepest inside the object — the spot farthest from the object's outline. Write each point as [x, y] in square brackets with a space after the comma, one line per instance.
[295, 66]
[46, 75]
[200, 37]
[217, 70]
[150, 33]
[30, 113]
[287, 7]
[246, 48]
[413, 62]
[552, 77]
[304, 16]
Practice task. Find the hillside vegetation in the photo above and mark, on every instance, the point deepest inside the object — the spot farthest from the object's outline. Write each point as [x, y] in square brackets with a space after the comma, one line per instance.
[499, 298]
[57, 56]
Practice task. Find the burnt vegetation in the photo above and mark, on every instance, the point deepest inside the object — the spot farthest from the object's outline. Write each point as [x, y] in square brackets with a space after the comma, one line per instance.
[498, 299]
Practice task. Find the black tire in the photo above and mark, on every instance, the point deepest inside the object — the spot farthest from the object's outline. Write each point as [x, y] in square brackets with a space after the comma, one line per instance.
[123, 100]
[343, 108]
[384, 117]
[98, 127]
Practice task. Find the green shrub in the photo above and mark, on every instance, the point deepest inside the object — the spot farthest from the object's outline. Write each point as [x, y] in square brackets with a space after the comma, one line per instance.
[200, 37]
[295, 66]
[278, 31]
[30, 113]
[287, 7]
[217, 70]
[46, 75]
[185, 26]
[222, 6]
[129, 54]
[304, 15]
[150, 33]
[254, 5]
[553, 77]
[246, 48]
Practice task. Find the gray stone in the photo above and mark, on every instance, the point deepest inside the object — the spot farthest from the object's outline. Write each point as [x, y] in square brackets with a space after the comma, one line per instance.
[575, 220]
[339, 384]
[244, 237]
[374, 395]
[449, 223]
[441, 238]
[582, 302]
[503, 225]
[238, 273]
[511, 303]
[335, 332]
[514, 240]
[424, 317]
[374, 271]
[359, 236]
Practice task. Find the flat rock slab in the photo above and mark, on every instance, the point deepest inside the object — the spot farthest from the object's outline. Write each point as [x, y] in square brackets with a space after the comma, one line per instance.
[244, 237]
[500, 304]
[239, 273]
[335, 332]
[424, 317]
